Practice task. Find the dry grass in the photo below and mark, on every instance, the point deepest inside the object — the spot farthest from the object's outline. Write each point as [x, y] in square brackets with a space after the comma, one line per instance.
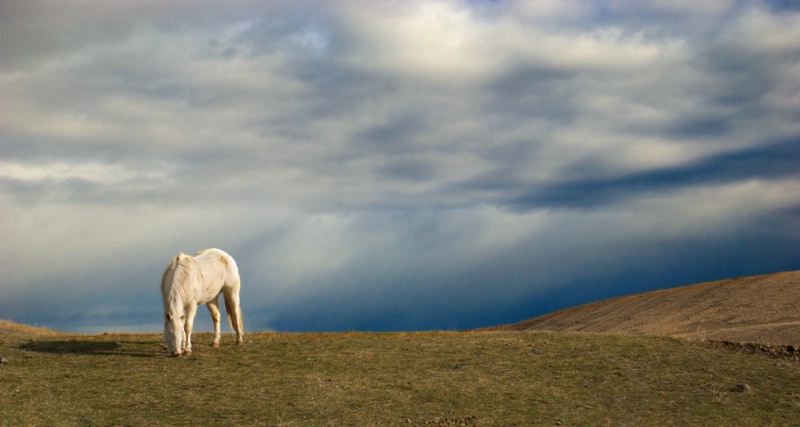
[761, 309]
[487, 378]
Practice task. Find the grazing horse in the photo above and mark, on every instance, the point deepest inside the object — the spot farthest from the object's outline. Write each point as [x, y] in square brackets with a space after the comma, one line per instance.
[193, 280]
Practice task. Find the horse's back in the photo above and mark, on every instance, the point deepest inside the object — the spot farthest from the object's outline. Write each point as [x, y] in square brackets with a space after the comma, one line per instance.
[220, 259]
[219, 255]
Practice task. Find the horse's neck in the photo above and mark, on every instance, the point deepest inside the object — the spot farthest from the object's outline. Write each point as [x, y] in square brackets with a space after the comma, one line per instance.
[183, 280]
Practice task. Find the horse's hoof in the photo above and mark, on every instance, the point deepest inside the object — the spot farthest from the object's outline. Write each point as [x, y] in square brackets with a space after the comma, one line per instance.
[187, 352]
[215, 344]
[176, 354]
[240, 342]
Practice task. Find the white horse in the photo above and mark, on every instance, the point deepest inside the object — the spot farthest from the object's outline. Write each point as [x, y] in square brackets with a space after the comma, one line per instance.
[190, 281]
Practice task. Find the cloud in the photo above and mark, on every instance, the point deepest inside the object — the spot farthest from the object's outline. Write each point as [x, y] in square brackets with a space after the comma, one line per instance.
[387, 166]
[772, 162]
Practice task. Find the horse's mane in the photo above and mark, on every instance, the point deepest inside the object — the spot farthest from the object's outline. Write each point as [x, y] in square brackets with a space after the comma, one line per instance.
[176, 289]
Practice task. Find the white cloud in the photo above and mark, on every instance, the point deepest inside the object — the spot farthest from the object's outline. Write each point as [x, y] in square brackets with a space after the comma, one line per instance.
[421, 40]
[99, 173]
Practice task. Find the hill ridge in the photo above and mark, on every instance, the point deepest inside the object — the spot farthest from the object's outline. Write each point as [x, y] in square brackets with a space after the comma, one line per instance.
[763, 308]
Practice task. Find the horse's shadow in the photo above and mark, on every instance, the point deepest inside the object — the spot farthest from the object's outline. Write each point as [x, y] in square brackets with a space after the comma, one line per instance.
[97, 348]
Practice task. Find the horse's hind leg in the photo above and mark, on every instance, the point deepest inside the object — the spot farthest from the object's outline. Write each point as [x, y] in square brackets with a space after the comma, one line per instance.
[213, 307]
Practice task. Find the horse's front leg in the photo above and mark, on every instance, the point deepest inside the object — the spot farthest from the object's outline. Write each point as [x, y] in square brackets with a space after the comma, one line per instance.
[213, 307]
[190, 313]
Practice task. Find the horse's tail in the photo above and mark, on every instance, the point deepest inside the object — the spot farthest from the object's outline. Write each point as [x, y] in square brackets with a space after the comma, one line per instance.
[229, 311]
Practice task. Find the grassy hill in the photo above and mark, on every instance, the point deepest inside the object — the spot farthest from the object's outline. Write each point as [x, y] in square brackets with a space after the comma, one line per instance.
[614, 362]
[759, 309]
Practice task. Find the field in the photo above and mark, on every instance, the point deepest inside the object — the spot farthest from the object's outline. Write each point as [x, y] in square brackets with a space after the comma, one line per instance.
[362, 379]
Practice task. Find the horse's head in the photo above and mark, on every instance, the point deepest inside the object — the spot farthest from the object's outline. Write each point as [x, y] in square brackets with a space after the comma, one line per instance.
[174, 333]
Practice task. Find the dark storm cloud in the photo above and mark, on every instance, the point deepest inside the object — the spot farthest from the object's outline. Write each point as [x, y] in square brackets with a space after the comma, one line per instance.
[694, 127]
[775, 161]
[534, 92]
[412, 170]
[396, 136]
[783, 5]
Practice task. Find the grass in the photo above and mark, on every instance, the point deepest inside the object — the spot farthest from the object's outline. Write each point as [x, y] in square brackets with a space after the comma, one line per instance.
[483, 379]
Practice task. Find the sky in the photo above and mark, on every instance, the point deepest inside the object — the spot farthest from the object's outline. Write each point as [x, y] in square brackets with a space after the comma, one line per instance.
[391, 165]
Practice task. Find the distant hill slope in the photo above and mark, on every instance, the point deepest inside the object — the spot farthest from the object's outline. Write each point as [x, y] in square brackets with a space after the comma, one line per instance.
[761, 309]
[14, 330]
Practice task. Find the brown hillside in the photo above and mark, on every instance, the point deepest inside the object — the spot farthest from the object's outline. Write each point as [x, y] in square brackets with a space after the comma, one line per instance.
[762, 309]
[13, 331]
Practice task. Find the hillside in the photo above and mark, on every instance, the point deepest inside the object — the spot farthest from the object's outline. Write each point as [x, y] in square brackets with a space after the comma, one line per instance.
[11, 330]
[761, 309]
